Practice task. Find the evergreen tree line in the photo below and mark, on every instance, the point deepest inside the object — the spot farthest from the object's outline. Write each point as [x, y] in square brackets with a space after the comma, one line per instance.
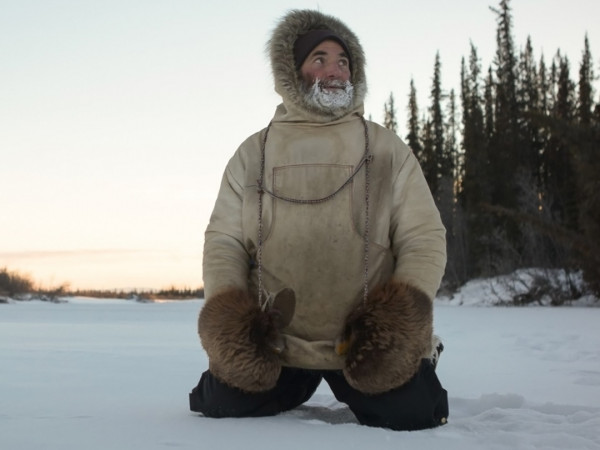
[18, 286]
[513, 161]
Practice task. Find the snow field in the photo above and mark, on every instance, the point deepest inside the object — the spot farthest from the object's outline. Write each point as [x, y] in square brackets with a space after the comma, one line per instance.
[113, 374]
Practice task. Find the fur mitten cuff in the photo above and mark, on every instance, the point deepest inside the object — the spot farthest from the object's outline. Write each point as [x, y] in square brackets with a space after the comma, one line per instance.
[386, 337]
[241, 341]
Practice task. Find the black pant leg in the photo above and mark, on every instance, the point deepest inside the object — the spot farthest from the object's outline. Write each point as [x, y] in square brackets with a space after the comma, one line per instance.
[418, 404]
[213, 398]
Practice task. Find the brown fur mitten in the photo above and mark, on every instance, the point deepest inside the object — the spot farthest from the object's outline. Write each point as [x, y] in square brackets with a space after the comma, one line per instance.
[241, 341]
[386, 337]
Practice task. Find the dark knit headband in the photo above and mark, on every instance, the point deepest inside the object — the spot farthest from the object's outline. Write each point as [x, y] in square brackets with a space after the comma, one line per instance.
[307, 42]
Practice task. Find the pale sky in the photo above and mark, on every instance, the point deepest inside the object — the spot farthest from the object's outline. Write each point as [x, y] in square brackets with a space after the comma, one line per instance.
[117, 117]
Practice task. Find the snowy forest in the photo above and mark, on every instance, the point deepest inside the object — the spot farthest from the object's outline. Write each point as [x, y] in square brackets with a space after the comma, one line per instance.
[512, 160]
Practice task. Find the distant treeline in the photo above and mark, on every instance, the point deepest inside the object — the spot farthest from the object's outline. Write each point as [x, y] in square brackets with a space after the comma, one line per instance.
[513, 161]
[170, 294]
[12, 283]
[16, 285]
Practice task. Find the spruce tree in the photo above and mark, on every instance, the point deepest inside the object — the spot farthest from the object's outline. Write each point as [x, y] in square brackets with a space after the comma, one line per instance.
[506, 70]
[528, 90]
[476, 141]
[586, 91]
[489, 107]
[506, 148]
[389, 120]
[560, 177]
[437, 123]
[544, 134]
[530, 105]
[413, 136]
[505, 154]
[427, 155]
[475, 145]
[564, 107]
[452, 217]
[451, 151]
[465, 90]
[476, 187]
[544, 87]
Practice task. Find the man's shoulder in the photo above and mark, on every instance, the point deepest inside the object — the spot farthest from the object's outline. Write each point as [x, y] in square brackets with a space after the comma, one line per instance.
[251, 145]
[385, 139]
[246, 156]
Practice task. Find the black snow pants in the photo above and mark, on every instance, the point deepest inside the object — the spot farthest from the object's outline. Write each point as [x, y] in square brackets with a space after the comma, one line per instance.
[418, 404]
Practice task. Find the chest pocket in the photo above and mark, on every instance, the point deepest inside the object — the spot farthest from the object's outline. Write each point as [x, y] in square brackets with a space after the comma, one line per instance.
[308, 201]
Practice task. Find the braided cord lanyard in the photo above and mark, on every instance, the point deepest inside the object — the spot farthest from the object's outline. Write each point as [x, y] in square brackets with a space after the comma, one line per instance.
[365, 161]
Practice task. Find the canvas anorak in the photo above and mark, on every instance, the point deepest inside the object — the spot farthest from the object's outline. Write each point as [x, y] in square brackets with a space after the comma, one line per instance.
[317, 251]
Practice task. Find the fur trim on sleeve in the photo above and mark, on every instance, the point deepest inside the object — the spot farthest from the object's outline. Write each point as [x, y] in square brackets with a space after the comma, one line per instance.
[237, 336]
[387, 337]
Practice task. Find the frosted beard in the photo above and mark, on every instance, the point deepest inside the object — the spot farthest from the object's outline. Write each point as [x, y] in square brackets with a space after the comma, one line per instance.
[332, 97]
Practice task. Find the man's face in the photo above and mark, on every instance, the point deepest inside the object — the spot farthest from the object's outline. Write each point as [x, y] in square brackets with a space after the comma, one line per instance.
[327, 62]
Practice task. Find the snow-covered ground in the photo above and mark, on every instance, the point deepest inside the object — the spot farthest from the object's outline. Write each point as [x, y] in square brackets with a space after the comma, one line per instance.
[115, 374]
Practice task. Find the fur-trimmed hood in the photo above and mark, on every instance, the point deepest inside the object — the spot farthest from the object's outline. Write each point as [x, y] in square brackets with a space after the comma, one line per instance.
[287, 78]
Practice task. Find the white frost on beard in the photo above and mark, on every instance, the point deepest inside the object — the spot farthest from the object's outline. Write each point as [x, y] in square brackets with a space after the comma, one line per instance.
[330, 101]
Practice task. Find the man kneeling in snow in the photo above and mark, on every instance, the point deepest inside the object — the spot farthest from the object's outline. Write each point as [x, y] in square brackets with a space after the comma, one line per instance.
[323, 253]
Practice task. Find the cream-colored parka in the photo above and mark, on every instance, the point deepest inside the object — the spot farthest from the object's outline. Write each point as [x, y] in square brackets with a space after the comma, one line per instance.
[318, 250]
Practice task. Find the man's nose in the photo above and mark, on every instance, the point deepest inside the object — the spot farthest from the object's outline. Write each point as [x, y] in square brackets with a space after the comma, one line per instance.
[333, 71]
